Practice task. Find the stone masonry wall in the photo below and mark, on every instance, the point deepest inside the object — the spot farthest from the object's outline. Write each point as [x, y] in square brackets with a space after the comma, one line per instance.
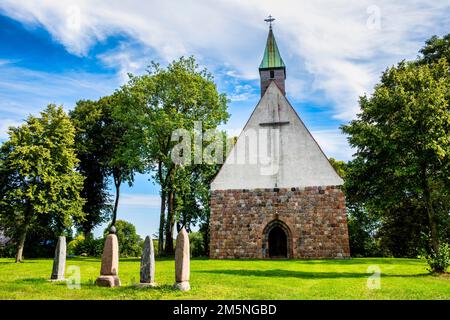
[315, 218]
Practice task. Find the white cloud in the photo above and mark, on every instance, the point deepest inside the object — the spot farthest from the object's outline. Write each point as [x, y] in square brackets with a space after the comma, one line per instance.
[242, 92]
[4, 62]
[4, 126]
[136, 200]
[126, 59]
[343, 55]
[244, 96]
[24, 91]
[328, 46]
[334, 144]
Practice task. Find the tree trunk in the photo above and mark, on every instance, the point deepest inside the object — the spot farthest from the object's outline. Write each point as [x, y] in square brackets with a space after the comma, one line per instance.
[431, 214]
[184, 223]
[116, 204]
[88, 234]
[117, 182]
[169, 224]
[163, 210]
[206, 237]
[162, 222]
[23, 235]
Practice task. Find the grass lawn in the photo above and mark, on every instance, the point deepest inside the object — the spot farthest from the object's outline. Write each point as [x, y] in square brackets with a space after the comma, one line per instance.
[233, 279]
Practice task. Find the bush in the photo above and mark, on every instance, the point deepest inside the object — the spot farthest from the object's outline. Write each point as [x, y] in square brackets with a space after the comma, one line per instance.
[8, 250]
[155, 246]
[72, 246]
[40, 240]
[197, 244]
[81, 246]
[92, 247]
[362, 227]
[130, 243]
[440, 261]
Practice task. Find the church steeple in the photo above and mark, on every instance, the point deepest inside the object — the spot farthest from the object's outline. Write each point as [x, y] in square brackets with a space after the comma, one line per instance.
[272, 67]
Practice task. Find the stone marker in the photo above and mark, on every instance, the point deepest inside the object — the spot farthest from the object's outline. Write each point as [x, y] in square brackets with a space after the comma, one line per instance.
[148, 264]
[59, 262]
[182, 257]
[110, 263]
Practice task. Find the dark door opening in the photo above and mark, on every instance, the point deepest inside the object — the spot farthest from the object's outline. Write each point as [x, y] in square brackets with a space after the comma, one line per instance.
[277, 243]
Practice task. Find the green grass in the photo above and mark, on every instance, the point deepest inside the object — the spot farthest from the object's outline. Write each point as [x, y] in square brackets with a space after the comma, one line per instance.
[233, 279]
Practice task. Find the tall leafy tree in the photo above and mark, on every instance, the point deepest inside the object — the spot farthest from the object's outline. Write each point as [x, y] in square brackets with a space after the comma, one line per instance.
[340, 167]
[37, 174]
[160, 102]
[90, 119]
[123, 157]
[403, 146]
[435, 49]
[193, 199]
[362, 228]
[193, 189]
[102, 151]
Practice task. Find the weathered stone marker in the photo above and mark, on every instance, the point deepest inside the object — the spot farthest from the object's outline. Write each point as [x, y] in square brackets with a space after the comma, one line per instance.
[110, 263]
[148, 264]
[182, 261]
[59, 262]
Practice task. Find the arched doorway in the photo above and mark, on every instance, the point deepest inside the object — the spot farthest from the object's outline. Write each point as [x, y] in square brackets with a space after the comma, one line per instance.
[277, 240]
[277, 243]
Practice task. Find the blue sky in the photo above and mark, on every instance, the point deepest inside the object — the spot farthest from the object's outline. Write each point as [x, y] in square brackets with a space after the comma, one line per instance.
[62, 51]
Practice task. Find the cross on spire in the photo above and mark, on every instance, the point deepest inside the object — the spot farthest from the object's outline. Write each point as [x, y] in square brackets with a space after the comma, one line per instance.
[269, 19]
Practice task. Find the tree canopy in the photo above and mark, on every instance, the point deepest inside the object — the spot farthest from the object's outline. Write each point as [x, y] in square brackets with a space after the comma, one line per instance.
[38, 177]
[158, 104]
[90, 119]
[402, 143]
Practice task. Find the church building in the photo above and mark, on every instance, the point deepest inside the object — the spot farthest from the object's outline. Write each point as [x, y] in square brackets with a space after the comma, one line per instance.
[277, 195]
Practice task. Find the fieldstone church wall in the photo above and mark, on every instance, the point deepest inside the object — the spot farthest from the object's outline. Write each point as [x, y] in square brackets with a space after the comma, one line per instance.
[313, 218]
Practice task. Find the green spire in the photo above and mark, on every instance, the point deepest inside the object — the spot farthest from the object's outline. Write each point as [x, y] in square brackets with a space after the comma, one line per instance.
[272, 57]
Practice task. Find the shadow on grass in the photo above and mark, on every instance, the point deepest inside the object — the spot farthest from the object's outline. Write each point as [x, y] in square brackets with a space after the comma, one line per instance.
[85, 259]
[160, 287]
[351, 261]
[302, 274]
[35, 280]
[131, 288]
[99, 259]
[18, 263]
[369, 260]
